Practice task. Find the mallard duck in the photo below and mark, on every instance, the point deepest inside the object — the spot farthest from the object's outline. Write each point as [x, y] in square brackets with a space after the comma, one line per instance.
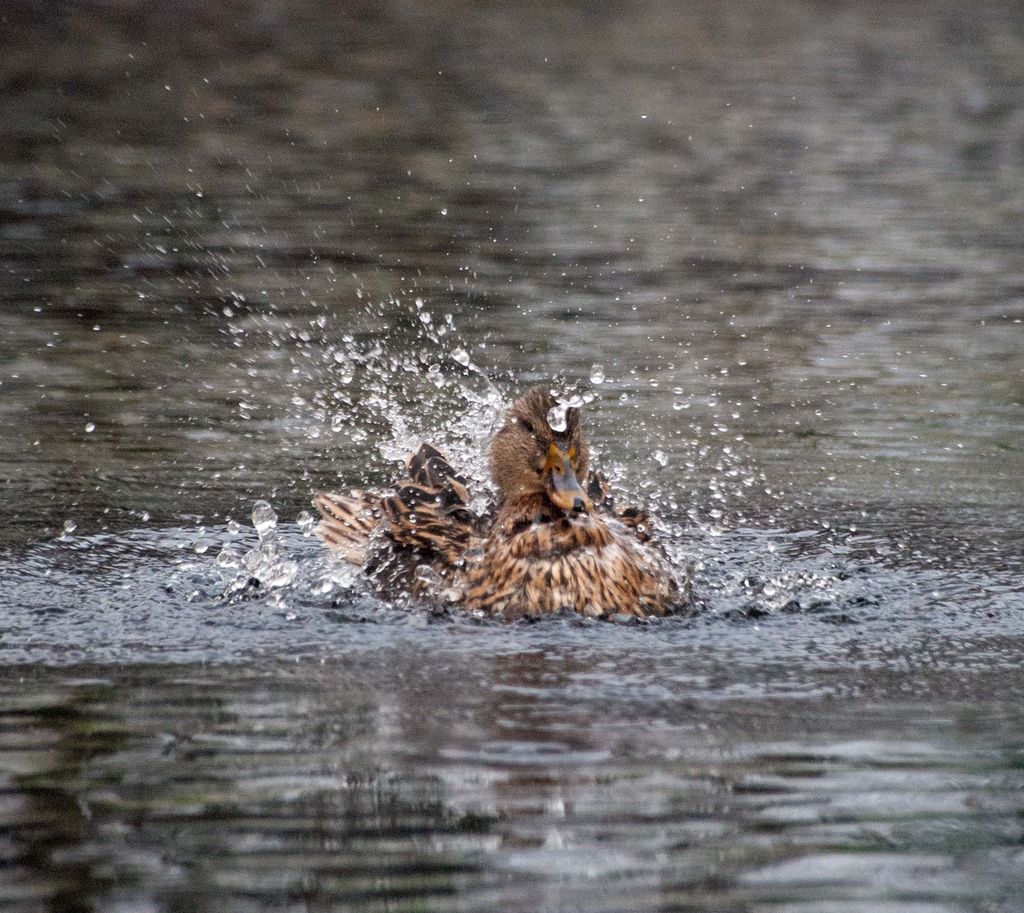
[555, 540]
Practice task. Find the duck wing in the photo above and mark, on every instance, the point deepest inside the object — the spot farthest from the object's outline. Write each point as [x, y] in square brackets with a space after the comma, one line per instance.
[429, 510]
[348, 521]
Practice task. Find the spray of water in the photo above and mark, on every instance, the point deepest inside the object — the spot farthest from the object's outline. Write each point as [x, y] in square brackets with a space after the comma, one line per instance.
[368, 385]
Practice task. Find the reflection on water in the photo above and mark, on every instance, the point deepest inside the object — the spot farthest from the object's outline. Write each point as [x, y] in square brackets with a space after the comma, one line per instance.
[840, 731]
[252, 250]
[325, 786]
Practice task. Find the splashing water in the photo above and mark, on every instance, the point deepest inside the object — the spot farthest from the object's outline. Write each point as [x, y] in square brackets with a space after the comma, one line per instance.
[399, 377]
[390, 380]
[261, 569]
[558, 417]
[401, 374]
[305, 521]
[264, 519]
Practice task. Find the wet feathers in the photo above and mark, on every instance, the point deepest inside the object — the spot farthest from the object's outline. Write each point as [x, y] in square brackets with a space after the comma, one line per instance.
[528, 557]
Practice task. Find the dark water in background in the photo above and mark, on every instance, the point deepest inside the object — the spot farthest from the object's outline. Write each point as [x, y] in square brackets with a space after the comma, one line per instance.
[791, 234]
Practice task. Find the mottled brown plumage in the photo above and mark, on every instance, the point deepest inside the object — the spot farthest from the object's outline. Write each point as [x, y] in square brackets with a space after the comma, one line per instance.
[555, 541]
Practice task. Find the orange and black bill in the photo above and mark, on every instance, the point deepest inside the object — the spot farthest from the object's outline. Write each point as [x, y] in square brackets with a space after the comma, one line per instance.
[563, 488]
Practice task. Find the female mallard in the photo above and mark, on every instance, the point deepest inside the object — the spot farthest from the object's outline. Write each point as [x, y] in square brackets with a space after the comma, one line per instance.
[554, 542]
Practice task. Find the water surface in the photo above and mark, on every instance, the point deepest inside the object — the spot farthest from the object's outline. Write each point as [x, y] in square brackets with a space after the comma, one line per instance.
[250, 252]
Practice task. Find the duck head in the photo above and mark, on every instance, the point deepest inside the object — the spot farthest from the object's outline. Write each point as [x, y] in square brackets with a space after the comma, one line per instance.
[529, 458]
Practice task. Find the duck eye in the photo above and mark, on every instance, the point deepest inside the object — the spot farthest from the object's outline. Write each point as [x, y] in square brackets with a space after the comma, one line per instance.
[527, 425]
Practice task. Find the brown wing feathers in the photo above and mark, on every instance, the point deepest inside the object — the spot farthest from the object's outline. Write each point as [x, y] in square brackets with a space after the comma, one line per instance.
[429, 509]
[348, 520]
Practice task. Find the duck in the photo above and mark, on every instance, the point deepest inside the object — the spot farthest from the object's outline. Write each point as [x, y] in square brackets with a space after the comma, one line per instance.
[554, 541]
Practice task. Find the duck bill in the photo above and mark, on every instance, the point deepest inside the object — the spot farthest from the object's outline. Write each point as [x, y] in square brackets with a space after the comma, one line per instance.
[564, 490]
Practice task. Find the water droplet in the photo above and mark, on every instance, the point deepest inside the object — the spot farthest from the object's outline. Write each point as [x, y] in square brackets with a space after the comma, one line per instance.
[597, 374]
[233, 527]
[461, 356]
[305, 521]
[660, 457]
[69, 527]
[557, 417]
[90, 427]
[264, 518]
[426, 575]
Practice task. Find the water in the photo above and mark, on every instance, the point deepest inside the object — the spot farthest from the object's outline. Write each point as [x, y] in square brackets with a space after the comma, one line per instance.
[254, 252]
